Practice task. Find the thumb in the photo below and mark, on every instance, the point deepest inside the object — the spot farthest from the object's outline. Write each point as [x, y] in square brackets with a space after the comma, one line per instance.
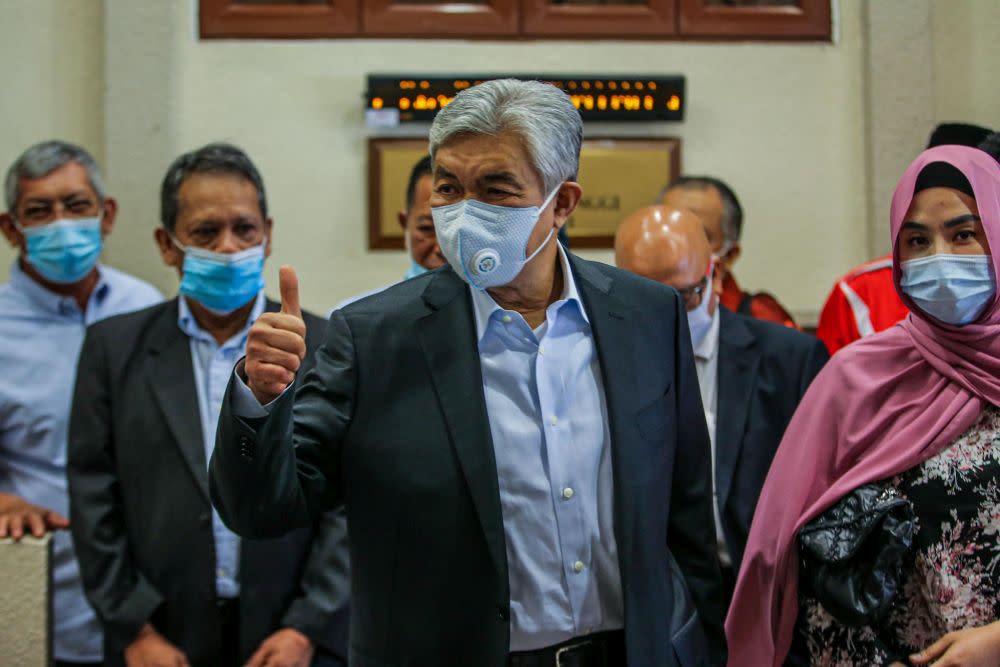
[288, 282]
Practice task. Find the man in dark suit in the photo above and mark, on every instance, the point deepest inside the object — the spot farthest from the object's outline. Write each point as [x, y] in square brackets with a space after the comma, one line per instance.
[752, 373]
[170, 584]
[517, 437]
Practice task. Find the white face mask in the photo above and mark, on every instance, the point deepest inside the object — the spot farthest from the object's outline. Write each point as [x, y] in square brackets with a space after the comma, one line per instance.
[486, 243]
[954, 289]
[699, 319]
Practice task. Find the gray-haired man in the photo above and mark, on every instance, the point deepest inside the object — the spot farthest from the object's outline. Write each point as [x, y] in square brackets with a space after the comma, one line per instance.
[518, 440]
[57, 217]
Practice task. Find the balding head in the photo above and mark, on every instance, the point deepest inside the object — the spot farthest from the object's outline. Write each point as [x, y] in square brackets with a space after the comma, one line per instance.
[665, 244]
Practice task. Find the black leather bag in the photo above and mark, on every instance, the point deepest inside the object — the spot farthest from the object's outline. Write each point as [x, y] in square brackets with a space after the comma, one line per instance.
[852, 554]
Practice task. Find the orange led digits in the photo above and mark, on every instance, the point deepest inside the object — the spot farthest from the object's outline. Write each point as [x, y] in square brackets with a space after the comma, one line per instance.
[377, 103]
[674, 103]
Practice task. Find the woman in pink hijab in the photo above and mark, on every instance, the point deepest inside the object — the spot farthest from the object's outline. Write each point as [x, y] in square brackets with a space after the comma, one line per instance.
[914, 407]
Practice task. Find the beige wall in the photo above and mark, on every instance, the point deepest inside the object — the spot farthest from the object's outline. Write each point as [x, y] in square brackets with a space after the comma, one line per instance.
[966, 57]
[53, 79]
[783, 123]
[786, 124]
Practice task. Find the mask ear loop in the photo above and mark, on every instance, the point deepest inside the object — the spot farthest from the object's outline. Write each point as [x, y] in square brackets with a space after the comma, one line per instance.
[545, 205]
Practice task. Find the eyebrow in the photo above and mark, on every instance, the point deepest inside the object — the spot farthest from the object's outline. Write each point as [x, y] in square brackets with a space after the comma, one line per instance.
[46, 200]
[441, 172]
[954, 222]
[504, 177]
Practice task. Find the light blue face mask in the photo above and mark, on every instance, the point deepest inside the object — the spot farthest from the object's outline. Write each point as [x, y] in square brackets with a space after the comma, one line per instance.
[64, 251]
[486, 243]
[222, 282]
[954, 289]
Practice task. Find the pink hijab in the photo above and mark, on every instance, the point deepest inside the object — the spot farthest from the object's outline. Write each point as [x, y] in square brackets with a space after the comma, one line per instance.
[880, 406]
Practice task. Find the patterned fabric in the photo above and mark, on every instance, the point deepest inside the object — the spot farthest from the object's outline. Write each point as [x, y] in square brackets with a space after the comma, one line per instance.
[953, 582]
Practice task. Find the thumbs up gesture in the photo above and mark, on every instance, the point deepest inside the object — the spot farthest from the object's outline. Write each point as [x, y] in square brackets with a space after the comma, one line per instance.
[276, 343]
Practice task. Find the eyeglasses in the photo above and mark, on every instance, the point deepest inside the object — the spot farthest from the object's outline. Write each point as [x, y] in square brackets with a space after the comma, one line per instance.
[692, 295]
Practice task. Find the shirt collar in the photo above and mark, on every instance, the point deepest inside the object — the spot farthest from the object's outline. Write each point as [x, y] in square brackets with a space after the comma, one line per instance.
[709, 345]
[484, 306]
[189, 325]
[47, 300]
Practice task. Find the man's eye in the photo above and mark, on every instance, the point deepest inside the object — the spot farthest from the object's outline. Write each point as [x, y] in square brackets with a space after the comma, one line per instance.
[445, 189]
[78, 206]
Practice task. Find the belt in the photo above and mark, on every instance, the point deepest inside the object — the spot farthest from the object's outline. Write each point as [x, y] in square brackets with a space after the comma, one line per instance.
[602, 649]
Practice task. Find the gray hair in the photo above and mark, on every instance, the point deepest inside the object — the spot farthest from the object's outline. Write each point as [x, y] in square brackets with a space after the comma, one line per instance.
[41, 160]
[539, 113]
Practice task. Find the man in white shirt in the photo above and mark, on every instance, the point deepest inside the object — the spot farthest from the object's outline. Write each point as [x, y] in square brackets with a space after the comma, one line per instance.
[751, 373]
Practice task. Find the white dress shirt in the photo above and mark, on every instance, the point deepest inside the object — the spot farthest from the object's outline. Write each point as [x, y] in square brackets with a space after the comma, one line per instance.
[706, 362]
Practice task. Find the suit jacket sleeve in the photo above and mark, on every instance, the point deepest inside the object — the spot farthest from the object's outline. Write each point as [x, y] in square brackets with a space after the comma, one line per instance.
[122, 597]
[321, 612]
[270, 475]
[691, 520]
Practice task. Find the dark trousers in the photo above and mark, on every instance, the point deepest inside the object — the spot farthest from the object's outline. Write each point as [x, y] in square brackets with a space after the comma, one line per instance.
[229, 627]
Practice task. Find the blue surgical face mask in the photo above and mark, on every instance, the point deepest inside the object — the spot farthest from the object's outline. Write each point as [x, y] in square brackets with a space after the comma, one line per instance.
[699, 319]
[486, 243]
[954, 289]
[415, 270]
[64, 251]
[222, 282]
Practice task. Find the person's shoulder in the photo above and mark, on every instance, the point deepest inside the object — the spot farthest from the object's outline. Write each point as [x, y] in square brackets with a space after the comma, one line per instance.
[774, 338]
[399, 298]
[628, 286]
[358, 297]
[132, 320]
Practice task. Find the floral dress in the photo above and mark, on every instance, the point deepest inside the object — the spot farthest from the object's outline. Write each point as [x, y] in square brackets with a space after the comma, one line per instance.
[954, 580]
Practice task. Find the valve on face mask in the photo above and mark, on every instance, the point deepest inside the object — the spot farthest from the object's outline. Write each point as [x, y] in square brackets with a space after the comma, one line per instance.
[485, 261]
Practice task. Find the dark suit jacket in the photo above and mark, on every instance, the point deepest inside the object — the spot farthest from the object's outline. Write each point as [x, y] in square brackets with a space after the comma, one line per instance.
[141, 514]
[392, 422]
[764, 369]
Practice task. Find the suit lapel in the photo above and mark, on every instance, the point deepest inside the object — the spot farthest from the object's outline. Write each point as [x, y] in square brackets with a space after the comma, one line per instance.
[448, 339]
[170, 375]
[738, 361]
[613, 329]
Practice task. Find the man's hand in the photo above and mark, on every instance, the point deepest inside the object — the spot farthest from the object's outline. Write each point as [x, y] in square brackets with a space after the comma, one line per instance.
[975, 647]
[150, 649]
[285, 648]
[276, 344]
[17, 515]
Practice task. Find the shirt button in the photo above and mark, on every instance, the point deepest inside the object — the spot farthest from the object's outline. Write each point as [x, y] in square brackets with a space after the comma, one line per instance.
[553, 420]
[221, 572]
[578, 567]
[541, 349]
[507, 319]
[567, 493]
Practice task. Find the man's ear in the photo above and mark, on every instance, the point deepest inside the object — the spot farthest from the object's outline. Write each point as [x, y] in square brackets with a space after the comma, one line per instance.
[565, 202]
[110, 206]
[401, 218]
[10, 232]
[733, 255]
[169, 252]
[268, 228]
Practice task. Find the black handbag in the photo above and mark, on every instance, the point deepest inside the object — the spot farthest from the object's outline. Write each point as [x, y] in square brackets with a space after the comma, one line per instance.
[852, 554]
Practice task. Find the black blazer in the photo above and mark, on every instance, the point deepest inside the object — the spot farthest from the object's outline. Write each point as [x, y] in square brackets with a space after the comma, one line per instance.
[392, 422]
[140, 510]
[764, 370]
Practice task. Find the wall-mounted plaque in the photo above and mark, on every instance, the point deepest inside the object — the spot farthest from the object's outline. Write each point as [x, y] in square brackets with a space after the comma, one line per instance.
[618, 176]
